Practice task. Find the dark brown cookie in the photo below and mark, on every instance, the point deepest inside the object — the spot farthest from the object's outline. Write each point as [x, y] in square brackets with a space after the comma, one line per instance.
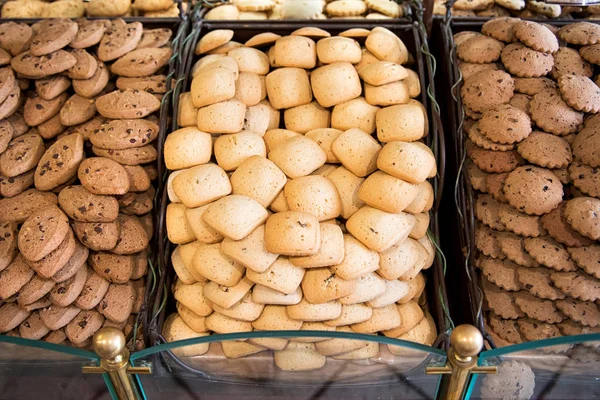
[87, 128]
[583, 214]
[77, 110]
[505, 124]
[7, 83]
[580, 33]
[12, 103]
[585, 178]
[586, 145]
[550, 112]
[125, 134]
[112, 267]
[533, 86]
[118, 302]
[536, 36]
[43, 232]
[140, 262]
[60, 162]
[83, 206]
[567, 61]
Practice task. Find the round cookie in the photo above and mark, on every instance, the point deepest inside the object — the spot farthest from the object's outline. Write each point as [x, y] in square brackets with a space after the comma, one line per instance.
[506, 329]
[511, 246]
[43, 232]
[468, 69]
[521, 101]
[585, 178]
[536, 36]
[550, 112]
[549, 253]
[486, 241]
[487, 89]
[533, 86]
[505, 124]
[487, 209]
[591, 53]
[580, 92]
[501, 29]
[514, 380]
[500, 301]
[480, 140]
[583, 214]
[558, 228]
[524, 62]
[546, 150]
[584, 312]
[493, 161]
[479, 49]
[502, 273]
[567, 61]
[541, 310]
[580, 33]
[577, 285]
[587, 258]
[586, 145]
[533, 190]
[521, 223]
[537, 282]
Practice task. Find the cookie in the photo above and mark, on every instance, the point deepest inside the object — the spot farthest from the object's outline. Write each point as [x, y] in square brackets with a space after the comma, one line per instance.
[117, 303]
[501, 302]
[137, 203]
[505, 328]
[486, 241]
[584, 312]
[10, 187]
[43, 232]
[541, 310]
[141, 62]
[150, 84]
[536, 330]
[83, 206]
[479, 49]
[53, 35]
[51, 128]
[521, 101]
[537, 282]
[494, 185]
[132, 237]
[514, 380]
[525, 62]
[65, 293]
[583, 214]
[476, 176]
[486, 210]
[48, 266]
[482, 141]
[532, 86]
[568, 62]
[7, 83]
[577, 285]
[587, 258]
[591, 53]
[500, 29]
[505, 124]
[93, 86]
[536, 36]
[38, 110]
[15, 37]
[586, 179]
[580, 33]
[558, 228]
[468, 69]
[546, 150]
[124, 134]
[14, 277]
[103, 176]
[119, 39]
[487, 89]
[512, 247]
[533, 190]
[549, 253]
[83, 326]
[154, 38]
[19, 208]
[73, 265]
[33, 327]
[502, 273]
[12, 103]
[586, 145]
[36, 67]
[580, 92]
[125, 104]
[90, 33]
[345, 8]
[493, 161]
[59, 163]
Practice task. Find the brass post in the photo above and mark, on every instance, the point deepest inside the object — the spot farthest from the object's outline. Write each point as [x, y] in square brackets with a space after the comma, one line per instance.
[466, 342]
[109, 344]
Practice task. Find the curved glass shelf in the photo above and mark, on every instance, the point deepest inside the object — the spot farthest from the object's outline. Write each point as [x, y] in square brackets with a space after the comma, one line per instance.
[33, 369]
[565, 367]
[356, 365]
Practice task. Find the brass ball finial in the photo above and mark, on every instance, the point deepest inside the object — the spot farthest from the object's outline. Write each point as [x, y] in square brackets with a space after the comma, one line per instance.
[466, 340]
[109, 342]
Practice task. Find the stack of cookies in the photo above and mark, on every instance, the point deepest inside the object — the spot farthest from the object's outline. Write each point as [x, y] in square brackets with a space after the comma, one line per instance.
[76, 163]
[318, 226]
[306, 9]
[533, 152]
[91, 8]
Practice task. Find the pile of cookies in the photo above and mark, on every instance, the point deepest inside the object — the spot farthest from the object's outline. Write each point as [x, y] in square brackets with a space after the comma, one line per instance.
[91, 8]
[321, 225]
[533, 152]
[76, 163]
[305, 9]
[530, 9]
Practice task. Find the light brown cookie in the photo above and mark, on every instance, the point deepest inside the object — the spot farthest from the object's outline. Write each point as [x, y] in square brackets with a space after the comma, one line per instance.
[537, 282]
[482, 141]
[154, 38]
[141, 62]
[591, 53]
[150, 84]
[486, 210]
[43, 232]
[487, 89]
[493, 161]
[48, 266]
[75, 263]
[506, 329]
[124, 134]
[536, 36]
[501, 29]
[119, 39]
[567, 61]
[533, 86]
[512, 247]
[533, 190]
[494, 185]
[103, 176]
[66, 292]
[51, 87]
[59, 163]
[536, 330]
[580, 33]
[130, 103]
[501, 302]
[586, 145]
[486, 241]
[468, 69]
[577, 285]
[15, 37]
[83, 326]
[587, 258]
[93, 86]
[479, 49]
[583, 312]
[546, 150]
[541, 310]
[549, 253]
[583, 214]
[53, 35]
[19, 208]
[83, 206]
[14, 277]
[112, 267]
[551, 113]
[556, 225]
[505, 124]
[585, 178]
[502, 273]
[580, 92]
[524, 62]
[476, 176]
[521, 101]
[521, 223]
[89, 34]
[36, 67]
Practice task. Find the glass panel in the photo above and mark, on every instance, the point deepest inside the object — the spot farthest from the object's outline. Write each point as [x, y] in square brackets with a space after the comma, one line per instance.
[559, 368]
[307, 364]
[31, 369]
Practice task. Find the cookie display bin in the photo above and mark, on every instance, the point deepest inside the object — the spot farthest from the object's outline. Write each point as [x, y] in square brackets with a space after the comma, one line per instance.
[256, 375]
[35, 369]
[554, 375]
